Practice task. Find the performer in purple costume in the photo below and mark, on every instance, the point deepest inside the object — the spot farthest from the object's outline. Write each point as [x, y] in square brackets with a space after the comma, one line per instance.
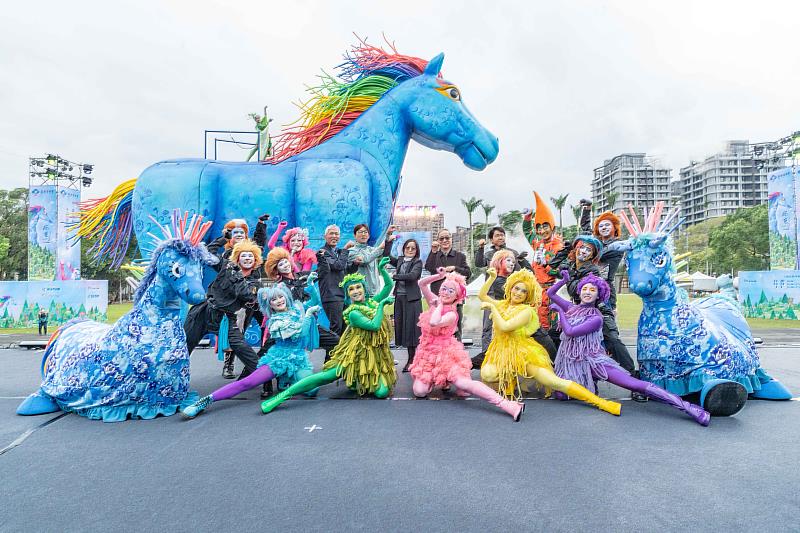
[581, 356]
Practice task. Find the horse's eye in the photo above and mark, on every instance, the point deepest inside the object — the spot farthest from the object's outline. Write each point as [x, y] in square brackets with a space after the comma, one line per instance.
[454, 94]
[177, 270]
[659, 261]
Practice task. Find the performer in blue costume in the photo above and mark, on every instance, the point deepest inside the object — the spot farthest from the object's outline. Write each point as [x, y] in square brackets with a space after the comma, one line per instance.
[139, 367]
[293, 328]
[704, 346]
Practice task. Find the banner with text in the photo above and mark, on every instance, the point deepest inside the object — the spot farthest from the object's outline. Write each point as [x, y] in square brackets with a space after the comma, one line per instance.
[22, 301]
[773, 294]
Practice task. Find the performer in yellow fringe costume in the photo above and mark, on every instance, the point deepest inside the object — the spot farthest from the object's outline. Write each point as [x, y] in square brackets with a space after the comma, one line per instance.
[513, 353]
[362, 358]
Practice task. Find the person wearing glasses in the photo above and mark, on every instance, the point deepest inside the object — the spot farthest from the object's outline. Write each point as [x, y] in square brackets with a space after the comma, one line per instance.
[407, 296]
[442, 255]
[363, 258]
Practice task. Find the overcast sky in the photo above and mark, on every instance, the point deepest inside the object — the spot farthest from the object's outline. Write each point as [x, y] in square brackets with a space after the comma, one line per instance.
[564, 85]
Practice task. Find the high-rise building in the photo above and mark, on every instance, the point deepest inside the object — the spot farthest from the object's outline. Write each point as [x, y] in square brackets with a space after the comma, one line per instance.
[724, 182]
[630, 179]
[461, 239]
[418, 218]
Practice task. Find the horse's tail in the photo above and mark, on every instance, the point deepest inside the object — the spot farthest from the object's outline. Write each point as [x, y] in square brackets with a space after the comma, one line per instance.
[108, 220]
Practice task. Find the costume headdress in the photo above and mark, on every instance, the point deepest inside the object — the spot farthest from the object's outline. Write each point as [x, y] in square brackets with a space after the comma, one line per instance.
[458, 282]
[294, 231]
[588, 239]
[266, 295]
[247, 246]
[610, 216]
[543, 213]
[525, 276]
[353, 279]
[603, 290]
[273, 258]
[499, 258]
[236, 223]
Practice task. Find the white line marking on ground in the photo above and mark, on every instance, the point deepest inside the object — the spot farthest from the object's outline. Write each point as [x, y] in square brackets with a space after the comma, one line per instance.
[12, 397]
[19, 440]
[312, 427]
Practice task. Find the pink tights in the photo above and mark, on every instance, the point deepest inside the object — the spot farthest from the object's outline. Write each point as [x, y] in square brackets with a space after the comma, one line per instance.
[475, 388]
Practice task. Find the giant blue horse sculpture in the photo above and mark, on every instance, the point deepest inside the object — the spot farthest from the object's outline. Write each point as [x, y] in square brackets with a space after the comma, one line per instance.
[704, 346]
[139, 367]
[340, 166]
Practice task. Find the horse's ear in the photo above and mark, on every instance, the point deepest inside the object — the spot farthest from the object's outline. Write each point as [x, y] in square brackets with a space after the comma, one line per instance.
[657, 242]
[435, 65]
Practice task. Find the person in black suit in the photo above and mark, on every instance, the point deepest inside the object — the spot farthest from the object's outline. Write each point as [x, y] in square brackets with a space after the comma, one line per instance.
[407, 296]
[443, 255]
[331, 268]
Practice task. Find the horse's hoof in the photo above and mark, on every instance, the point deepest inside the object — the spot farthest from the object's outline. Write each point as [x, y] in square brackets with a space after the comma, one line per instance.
[772, 390]
[37, 403]
[722, 397]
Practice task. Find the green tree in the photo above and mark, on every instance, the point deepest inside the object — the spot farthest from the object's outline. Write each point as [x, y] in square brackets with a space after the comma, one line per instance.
[741, 242]
[695, 239]
[576, 212]
[511, 221]
[611, 199]
[487, 210]
[14, 231]
[560, 202]
[471, 205]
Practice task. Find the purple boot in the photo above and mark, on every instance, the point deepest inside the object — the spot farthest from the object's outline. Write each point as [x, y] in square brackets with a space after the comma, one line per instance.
[700, 415]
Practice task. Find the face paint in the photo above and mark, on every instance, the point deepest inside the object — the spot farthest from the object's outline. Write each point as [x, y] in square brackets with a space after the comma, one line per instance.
[447, 294]
[296, 242]
[605, 228]
[247, 260]
[509, 263]
[589, 294]
[284, 266]
[585, 252]
[544, 231]
[278, 303]
[238, 234]
[356, 292]
[519, 293]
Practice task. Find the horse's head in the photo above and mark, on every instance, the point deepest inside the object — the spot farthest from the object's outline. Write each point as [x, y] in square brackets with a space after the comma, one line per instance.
[176, 265]
[180, 267]
[649, 263]
[440, 119]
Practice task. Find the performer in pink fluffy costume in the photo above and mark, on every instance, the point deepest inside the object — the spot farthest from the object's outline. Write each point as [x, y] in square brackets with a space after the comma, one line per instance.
[296, 241]
[441, 360]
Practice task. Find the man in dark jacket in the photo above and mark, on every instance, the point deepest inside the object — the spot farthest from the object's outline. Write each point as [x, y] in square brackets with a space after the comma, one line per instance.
[331, 268]
[228, 293]
[443, 255]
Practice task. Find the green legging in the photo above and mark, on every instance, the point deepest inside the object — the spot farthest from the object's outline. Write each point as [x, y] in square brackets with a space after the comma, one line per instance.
[312, 382]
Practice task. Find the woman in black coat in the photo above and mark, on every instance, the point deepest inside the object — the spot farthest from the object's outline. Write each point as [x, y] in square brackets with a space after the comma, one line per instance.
[407, 296]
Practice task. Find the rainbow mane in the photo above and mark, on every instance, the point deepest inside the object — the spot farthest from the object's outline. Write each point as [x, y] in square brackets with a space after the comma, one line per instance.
[366, 75]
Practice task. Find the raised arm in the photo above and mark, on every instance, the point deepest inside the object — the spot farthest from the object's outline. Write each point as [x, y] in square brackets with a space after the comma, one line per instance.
[312, 289]
[520, 320]
[274, 239]
[387, 252]
[260, 233]
[425, 286]
[584, 328]
[388, 282]
[552, 292]
[483, 294]
[358, 320]
[527, 225]
[372, 253]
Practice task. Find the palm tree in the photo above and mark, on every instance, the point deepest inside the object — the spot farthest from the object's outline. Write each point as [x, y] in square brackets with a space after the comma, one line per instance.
[560, 202]
[471, 205]
[487, 210]
[510, 221]
[576, 212]
[611, 199]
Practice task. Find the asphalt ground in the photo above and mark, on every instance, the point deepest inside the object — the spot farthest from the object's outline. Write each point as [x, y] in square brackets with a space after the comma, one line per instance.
[445, 464]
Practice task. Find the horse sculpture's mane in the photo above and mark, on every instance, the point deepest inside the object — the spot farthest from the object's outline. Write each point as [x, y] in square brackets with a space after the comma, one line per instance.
[184, 237]
[367, 74]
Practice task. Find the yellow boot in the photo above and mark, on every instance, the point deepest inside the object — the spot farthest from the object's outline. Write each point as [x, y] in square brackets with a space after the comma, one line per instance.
[582, 393]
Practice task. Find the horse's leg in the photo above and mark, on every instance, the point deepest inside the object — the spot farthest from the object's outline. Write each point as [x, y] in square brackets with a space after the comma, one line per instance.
[38, 403]
[771, 389]
[723, 397]
[626, 381]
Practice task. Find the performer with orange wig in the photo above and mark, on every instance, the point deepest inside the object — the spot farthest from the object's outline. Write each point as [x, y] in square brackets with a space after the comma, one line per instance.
[295, 240]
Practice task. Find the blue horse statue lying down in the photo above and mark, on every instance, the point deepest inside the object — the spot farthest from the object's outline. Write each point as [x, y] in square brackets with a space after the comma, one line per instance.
[704, 346]
[139, 367]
